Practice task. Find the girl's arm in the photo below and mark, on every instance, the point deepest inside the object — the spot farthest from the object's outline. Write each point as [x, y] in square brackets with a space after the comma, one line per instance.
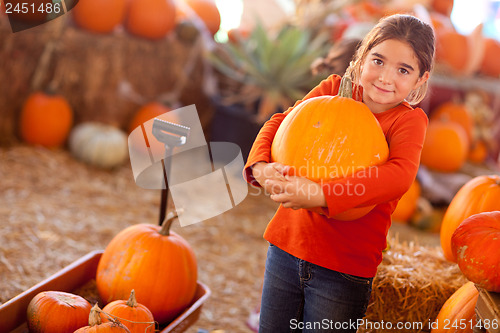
[372, 186]
[261, 149]
[388, 181]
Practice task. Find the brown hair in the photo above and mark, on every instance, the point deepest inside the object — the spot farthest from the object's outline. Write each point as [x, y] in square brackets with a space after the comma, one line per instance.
[406, 28]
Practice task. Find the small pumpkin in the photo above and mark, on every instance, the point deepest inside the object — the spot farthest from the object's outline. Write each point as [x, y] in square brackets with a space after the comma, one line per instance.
[98, 144]
[152, 19]
[321, 141]
[135, 316]
[143, 115]
[445, 146]
[452, 49]
[478, 152]
[46, 119]
[455, 112]
[95, 324]
[208, 12]
[57, 311]
[157, 263]
[478, 195]
[490, 65]
[476, 245]
[100, 16]
[458, 310]
[408, 203]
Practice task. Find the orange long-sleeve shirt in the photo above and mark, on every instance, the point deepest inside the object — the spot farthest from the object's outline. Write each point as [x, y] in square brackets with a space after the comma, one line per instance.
[352, 247]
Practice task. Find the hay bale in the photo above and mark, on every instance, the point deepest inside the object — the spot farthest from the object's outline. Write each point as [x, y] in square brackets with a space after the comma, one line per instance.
[412, 284]
[105, 77]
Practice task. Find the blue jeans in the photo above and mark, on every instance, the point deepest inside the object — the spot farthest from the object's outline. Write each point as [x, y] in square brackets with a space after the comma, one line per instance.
[298, 296]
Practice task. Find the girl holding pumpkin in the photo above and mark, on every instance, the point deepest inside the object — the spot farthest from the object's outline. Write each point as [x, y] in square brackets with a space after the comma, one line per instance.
[319, 270]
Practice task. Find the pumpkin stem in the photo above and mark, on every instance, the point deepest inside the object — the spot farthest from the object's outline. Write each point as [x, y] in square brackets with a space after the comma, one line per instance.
[94, 316]
[345, 89]
[132, 301]
[167, 223]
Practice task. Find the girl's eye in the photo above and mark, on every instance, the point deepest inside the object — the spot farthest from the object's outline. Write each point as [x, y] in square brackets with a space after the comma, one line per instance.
[377, 62]
[404, 71]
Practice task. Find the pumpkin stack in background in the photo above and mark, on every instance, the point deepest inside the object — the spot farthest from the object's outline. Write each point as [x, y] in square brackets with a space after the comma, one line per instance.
[106, 66]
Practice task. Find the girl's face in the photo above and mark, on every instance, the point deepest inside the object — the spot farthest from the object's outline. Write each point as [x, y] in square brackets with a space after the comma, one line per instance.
[389, 73]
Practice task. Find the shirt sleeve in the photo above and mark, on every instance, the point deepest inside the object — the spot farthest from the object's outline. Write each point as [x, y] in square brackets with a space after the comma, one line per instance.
[261, 148]
[388, 181]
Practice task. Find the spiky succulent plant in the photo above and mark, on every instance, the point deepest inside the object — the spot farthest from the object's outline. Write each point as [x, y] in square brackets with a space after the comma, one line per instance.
[268, 71]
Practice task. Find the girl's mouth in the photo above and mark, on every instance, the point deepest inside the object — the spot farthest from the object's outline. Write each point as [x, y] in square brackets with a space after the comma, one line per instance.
[382, 90]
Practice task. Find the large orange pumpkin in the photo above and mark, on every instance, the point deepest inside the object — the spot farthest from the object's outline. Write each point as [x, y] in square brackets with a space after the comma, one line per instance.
[46, 120]
[476, 245]
[407, 204]
[158, 264]
[208, 12]
[331, 137]
[57, 311]
[458, 312]
[135, 316]
[455, 112]
[445, 146]
[101, 16]
[97, 326]
[152, 19]
[452, 49]
[490, 64]
[478, 195]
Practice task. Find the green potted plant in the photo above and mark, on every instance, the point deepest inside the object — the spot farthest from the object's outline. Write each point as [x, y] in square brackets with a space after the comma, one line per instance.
[259, 75]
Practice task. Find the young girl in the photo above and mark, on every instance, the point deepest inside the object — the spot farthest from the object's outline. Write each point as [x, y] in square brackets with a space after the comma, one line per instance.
[319, 270]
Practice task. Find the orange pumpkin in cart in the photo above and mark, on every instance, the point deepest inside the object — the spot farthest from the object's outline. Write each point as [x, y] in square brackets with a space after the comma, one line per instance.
[135, 316]
[97, 326]
[158, 264]
[57, 311]
[330, 137]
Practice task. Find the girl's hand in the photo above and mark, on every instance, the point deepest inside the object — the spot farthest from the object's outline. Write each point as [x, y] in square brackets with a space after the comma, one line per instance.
[296, 192]
[263, 171]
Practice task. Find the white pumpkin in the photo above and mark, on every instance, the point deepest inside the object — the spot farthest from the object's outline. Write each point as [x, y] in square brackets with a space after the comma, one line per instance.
[98, 144]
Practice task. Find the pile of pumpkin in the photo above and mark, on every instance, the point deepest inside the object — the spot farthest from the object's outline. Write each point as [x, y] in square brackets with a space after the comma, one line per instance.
[470, 236]
[458, 132]
[47, 120]
[456, 53]
[151, 266]
[150, 19]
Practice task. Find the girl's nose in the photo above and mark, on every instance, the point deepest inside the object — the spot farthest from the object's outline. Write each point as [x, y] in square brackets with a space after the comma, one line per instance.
[384, 77]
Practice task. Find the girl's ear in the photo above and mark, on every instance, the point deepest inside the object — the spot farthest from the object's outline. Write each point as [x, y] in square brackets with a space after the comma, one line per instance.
[421, 80]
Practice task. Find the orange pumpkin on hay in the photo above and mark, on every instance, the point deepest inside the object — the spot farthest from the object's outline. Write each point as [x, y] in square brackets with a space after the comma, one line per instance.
[101, 16]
